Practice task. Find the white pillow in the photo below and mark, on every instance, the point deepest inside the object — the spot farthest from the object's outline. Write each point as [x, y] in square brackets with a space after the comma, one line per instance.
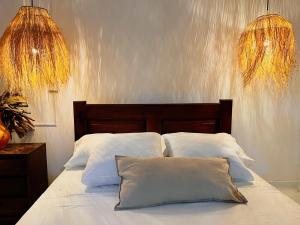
[209, 145]
[88, 143]
[82, 149]
[230, 141]
[101, 166]
[219, 139]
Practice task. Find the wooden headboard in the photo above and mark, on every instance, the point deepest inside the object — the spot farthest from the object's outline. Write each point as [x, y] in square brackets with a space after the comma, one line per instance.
[160, 118]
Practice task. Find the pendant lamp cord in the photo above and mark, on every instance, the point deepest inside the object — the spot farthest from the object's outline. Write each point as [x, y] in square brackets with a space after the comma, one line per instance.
[32, 2]
[268, 5]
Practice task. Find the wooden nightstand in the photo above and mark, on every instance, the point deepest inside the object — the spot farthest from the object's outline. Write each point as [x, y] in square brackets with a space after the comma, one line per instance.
[23, 178]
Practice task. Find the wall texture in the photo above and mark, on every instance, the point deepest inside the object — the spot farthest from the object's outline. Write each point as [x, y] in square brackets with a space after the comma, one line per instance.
[159, 51]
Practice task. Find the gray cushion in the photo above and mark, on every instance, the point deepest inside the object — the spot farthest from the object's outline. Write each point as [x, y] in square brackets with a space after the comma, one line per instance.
[162, 180]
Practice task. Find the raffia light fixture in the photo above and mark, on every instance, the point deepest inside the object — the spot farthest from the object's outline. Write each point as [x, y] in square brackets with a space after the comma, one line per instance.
[267, 50]
[33, 53]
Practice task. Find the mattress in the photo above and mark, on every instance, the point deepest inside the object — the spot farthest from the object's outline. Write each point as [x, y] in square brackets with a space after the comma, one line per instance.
[67, 201]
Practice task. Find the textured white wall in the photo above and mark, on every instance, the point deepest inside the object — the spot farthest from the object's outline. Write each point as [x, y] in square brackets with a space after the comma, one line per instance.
[149, 51]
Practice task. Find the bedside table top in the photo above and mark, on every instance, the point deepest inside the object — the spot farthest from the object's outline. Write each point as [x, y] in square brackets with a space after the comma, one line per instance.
[20, 148]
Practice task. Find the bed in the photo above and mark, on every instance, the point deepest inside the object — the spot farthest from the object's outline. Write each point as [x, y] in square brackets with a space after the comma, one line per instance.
[68, 201]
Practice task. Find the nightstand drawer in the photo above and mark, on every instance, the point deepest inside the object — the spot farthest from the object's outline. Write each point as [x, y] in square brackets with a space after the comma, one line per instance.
[9, 220]
[23, 178]
[10, 167]
[13, 186]
[10, 207]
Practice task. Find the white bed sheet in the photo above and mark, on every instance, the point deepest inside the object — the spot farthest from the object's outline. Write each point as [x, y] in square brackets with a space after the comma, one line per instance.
[68, 202]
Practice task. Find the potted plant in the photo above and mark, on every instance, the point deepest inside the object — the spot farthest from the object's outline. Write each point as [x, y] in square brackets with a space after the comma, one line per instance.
[13, 118]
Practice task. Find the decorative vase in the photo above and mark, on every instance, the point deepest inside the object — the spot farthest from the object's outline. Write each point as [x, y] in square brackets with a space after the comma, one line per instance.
[4, 134]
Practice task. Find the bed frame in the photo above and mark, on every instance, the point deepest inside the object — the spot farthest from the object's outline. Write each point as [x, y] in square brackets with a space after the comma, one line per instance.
[160, 118]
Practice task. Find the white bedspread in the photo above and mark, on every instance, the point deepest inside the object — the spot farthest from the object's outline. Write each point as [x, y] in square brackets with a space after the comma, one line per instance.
[67, 202]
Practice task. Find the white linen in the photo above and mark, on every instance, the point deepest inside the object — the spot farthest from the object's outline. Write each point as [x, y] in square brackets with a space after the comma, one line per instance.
[67, 201]
[82, 149]
[184, 144]
[101, 166]
[90, 142]
[215, 140]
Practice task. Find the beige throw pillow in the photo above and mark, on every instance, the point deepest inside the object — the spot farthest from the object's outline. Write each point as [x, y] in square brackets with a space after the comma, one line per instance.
[164, 180]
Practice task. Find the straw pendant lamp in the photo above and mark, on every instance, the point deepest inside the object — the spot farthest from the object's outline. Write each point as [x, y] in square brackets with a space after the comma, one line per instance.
[33, 52]
[266, 50]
